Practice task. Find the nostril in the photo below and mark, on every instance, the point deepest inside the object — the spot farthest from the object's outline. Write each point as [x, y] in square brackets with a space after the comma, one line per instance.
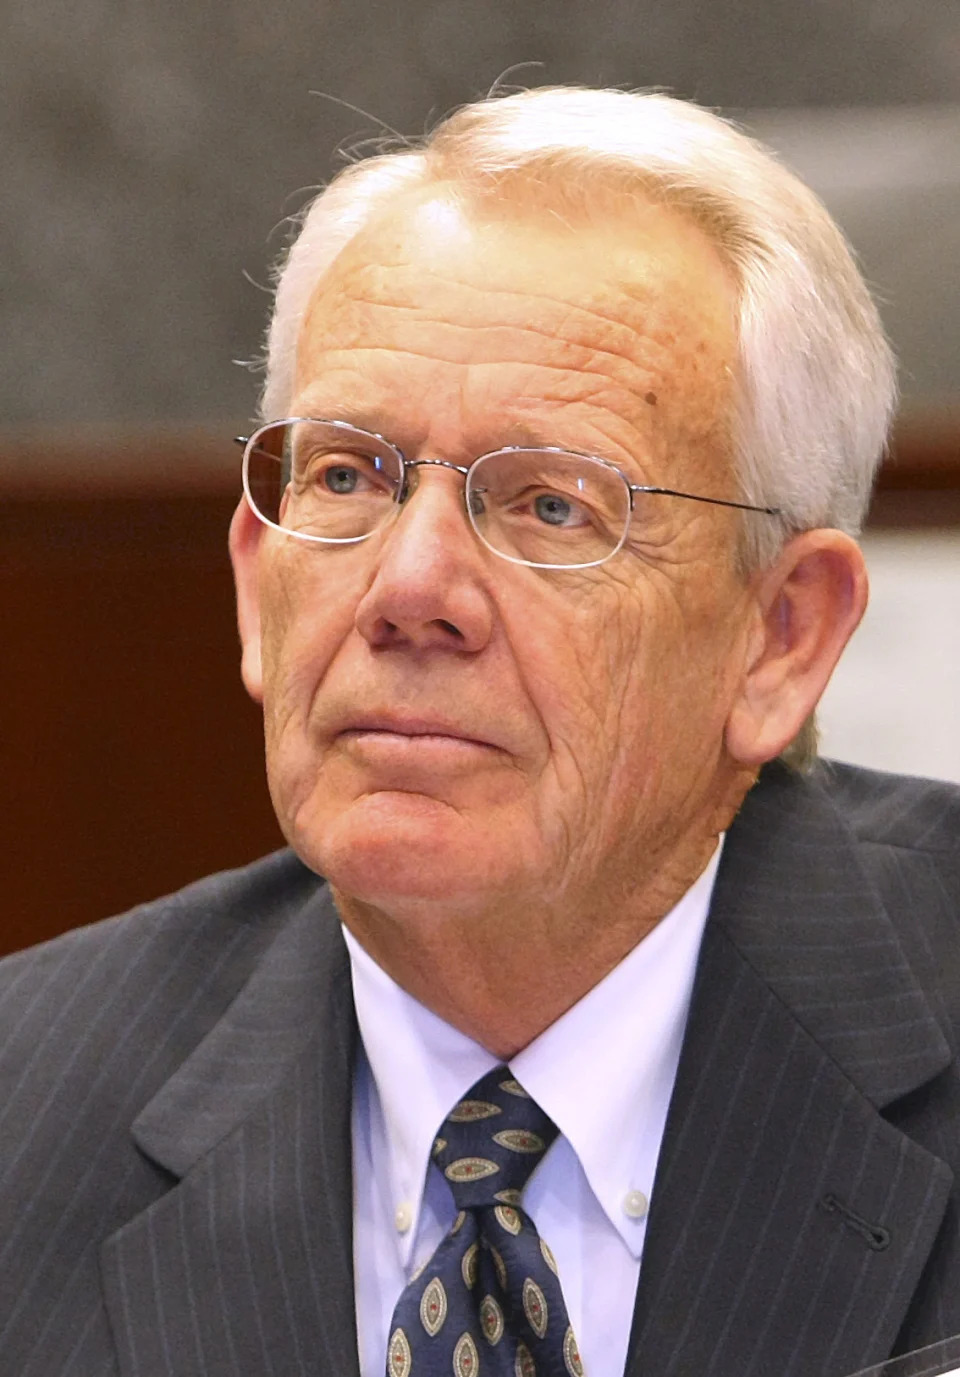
[449, 626]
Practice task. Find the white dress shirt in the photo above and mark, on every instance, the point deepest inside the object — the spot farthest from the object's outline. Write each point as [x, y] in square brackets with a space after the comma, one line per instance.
[604, 1072]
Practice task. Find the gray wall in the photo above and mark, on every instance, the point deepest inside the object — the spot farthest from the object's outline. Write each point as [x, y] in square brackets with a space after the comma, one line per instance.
[893, 700]
[149, 152]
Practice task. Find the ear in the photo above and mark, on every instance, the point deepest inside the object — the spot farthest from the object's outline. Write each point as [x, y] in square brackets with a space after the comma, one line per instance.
[246, 533]
[808, 605]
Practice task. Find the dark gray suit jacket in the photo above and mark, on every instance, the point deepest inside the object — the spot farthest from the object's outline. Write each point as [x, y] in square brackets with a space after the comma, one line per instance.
[175, 1179]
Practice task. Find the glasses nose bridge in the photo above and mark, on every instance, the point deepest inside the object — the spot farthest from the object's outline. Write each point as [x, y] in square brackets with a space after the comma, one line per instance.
[409, 464]
[406, 489]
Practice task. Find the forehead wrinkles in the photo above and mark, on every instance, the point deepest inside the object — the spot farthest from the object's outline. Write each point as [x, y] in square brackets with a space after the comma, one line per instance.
[653, 341]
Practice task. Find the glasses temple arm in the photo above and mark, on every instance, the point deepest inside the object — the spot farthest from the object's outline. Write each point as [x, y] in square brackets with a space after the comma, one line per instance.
[713, 501]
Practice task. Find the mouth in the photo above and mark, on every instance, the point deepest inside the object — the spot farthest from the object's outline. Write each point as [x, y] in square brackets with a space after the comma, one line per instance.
[415, 730]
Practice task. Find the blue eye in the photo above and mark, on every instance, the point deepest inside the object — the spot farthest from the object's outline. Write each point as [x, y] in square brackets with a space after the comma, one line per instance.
[341, 479]
[555, 511]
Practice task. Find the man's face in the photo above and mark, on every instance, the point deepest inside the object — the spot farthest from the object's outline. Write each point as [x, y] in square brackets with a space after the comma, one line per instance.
[443, 725]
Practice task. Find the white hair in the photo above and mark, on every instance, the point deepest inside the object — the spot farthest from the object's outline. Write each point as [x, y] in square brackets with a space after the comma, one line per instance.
[816, 377]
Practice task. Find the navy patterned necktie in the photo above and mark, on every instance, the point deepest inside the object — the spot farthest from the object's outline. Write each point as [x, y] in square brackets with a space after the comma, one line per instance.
[488, 1303]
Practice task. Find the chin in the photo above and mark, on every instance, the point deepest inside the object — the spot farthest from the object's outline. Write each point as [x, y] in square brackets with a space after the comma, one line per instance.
[392, 849]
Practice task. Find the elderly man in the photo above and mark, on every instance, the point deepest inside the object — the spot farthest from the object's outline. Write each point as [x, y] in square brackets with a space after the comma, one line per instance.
[620, 1037]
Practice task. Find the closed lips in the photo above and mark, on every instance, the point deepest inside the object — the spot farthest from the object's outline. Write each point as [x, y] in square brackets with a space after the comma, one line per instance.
[413, 727]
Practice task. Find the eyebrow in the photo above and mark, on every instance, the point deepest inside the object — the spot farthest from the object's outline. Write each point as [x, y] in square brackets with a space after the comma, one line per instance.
[365, 416]
[381, 421]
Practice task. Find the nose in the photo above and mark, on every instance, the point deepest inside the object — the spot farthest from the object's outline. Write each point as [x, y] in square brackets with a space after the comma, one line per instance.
[429, 587]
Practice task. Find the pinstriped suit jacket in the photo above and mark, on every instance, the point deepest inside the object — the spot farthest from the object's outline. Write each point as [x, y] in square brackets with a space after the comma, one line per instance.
[175, 1194]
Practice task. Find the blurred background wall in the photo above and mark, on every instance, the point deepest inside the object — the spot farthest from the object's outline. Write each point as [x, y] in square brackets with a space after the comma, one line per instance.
[149, 158]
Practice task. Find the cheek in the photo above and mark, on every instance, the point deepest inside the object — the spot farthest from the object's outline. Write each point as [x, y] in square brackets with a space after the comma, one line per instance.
[642, 672]
[306, 614]
[578, 659]
[688, 672]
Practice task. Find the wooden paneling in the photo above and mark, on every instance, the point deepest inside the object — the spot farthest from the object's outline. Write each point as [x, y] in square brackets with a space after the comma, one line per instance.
[132, 759]
[920, 483]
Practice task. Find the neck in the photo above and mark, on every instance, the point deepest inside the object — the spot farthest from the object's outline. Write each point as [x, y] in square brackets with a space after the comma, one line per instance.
[504, 973]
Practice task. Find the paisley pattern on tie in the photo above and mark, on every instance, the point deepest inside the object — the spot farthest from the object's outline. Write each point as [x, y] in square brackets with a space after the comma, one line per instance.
[488, 1303]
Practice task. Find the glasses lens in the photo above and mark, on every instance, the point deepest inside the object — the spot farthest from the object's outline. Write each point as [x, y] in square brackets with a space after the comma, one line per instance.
[321, 480]
[548, 508]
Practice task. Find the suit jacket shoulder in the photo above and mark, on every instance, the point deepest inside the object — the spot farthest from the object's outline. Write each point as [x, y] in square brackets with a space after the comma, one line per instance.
[128, 1051]
[907, 835]
[161, 976]
[894, 810]
[804, 1216]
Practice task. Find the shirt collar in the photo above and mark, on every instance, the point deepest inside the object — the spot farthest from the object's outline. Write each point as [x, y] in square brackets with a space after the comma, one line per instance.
[604, 1071]
[420, 1065]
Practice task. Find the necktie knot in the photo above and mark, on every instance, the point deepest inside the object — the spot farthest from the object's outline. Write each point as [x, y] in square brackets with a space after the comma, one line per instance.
[488, 1303]
[491, 1142]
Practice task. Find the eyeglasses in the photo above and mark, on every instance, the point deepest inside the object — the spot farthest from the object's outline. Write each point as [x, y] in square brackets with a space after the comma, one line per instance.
[330, 482]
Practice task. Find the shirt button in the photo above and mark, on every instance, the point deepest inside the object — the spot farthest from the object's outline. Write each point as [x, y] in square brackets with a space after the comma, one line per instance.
[635, 1204]
[403, 1217]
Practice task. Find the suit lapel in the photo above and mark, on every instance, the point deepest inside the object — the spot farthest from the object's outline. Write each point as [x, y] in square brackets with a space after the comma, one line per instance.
[246, 1264]
[790, 1221]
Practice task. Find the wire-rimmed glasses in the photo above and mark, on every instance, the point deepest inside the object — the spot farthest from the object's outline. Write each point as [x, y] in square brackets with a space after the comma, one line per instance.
[336, 484]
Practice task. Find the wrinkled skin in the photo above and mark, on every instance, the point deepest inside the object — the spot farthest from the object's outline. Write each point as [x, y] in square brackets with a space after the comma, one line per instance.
[489, 760]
